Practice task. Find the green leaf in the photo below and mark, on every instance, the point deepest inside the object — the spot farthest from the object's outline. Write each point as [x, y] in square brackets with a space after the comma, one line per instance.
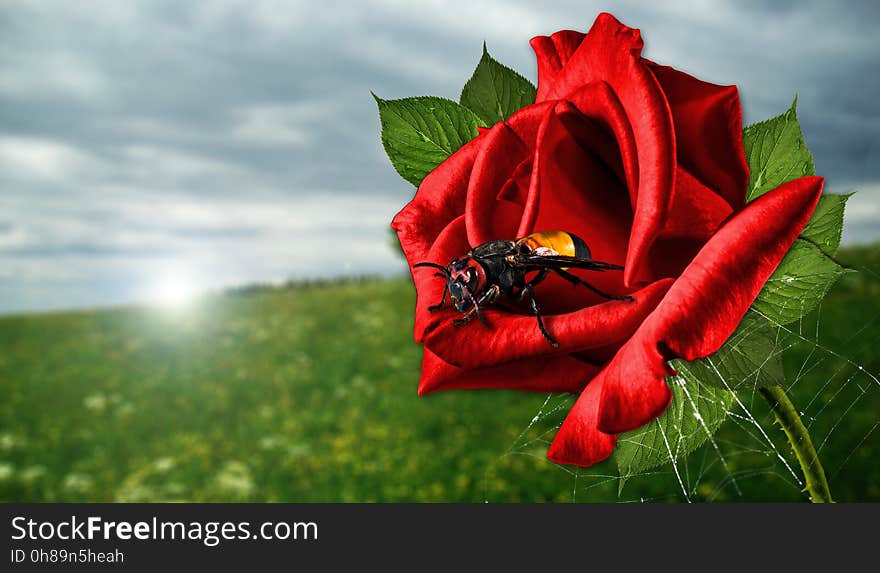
[751, 358]
[826, 224]
[495, 91]
[798, 284]
[776, 152]
[695, 414]
[419, 133]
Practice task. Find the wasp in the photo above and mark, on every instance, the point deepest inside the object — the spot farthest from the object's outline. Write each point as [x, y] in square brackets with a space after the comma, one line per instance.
[500, 268]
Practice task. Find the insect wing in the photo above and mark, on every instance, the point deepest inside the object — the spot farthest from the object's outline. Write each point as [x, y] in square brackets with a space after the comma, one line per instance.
[538, 261]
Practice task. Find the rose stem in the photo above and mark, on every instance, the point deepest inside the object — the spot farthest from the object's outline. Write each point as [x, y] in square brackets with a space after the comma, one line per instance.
[799, 438]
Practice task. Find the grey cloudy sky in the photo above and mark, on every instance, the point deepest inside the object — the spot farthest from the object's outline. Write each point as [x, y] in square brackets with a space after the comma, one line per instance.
[229, 142]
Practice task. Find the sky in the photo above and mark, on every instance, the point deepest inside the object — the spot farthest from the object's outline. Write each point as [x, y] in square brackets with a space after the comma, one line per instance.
[150, 149]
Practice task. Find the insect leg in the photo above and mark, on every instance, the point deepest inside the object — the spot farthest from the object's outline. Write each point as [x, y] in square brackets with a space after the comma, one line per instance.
[537, 310]
[489, 297]
[466, 318]
[578, 281]
[476, 303]
[475, 309]
[542, 274]
[442, 301]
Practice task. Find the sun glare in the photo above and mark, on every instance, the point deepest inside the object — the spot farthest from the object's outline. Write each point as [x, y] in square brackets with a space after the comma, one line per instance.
[174, 290]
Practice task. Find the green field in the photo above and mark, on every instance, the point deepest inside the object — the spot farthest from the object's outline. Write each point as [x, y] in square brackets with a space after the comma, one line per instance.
[308, 393]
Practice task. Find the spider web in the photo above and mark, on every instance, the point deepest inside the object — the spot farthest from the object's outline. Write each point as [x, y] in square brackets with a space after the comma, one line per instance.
[828, 356]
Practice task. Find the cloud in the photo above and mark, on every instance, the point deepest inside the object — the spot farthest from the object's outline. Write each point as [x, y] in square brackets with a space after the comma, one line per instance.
[276, 124]
[238, 138]
[31, 158]
[224, 243]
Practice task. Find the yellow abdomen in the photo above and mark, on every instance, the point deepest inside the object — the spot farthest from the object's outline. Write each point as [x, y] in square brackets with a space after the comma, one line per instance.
[559, 242]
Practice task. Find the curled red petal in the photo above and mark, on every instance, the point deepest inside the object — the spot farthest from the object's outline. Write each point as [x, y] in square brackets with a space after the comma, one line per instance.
[583, 443]
[598, 102]
[574, 189]
[585, 154]
[500, 154]
[696, 212]
[697, 315]
[539, 374]
[707, 302]
[553, 52]
[510, 336]
[610, 52]
[450, 243]
[708, 132]
[564, 63]
[705, 305]
[440, 198]
[526, 122]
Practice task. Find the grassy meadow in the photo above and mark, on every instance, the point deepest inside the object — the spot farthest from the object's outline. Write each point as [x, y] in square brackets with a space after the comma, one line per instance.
[308, 393]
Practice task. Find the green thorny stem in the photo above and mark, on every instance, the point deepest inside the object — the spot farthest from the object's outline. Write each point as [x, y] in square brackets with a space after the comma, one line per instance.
[799, 438]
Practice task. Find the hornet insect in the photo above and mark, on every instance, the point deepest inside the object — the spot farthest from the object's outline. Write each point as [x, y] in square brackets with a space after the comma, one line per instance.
[497, 268]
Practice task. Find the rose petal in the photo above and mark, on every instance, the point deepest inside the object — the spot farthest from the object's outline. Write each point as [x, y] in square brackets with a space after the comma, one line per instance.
[584, 441]
[597, 101]
[708, 132]
[635, 385]
[500, 154]
[526, 122]
[450, 243]
[439, 199]
[575, 191]
[590, 129]
[695, 211]
[705, 305]
[697, 315]
[553, 53]
[516, 189]
[510, 336]
[695, 214]
[540, 374]
[610, 52]
[567, 65]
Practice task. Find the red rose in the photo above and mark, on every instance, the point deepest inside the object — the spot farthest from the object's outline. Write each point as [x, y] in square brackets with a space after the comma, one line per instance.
[646, 164]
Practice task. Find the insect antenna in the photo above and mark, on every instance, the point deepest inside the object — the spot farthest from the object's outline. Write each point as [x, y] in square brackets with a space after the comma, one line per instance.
[441, 268]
